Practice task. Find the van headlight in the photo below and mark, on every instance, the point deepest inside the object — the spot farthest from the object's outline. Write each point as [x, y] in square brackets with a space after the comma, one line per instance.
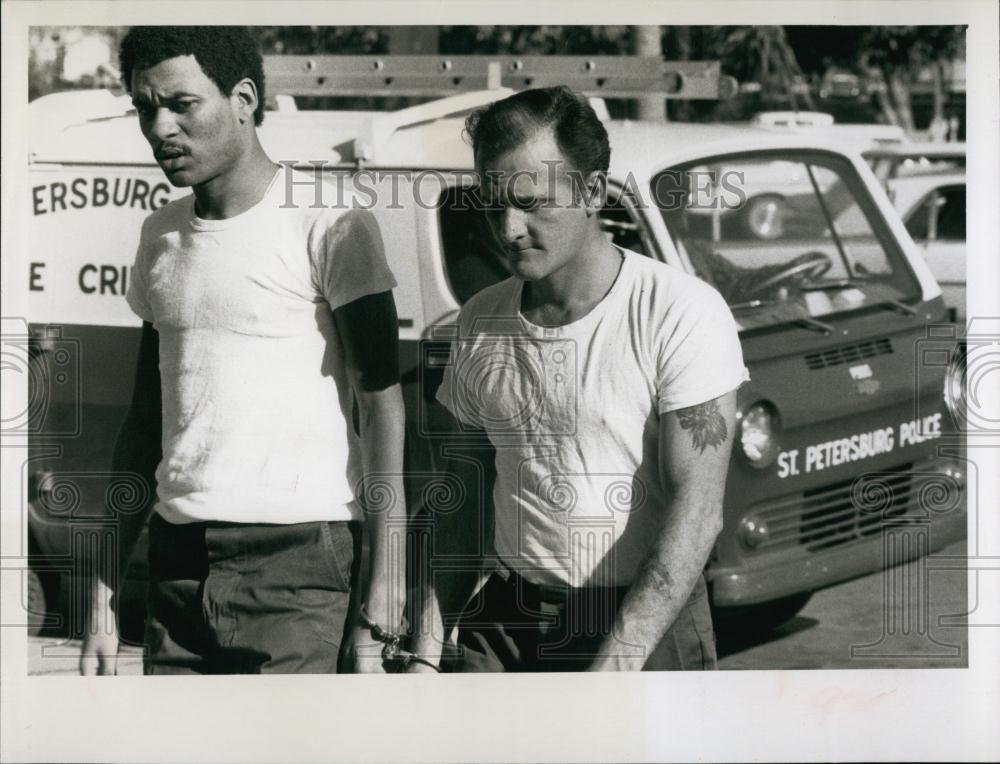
[955, 384]
[759, 434]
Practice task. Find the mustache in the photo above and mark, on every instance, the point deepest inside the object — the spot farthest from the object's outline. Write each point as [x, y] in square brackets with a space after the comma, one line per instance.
[169, 151]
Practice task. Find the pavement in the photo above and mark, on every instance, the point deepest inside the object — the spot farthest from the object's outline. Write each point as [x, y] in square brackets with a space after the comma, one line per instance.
[865, 624]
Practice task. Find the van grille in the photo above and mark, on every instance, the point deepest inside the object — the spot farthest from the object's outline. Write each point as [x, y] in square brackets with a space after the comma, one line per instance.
[839, 513]
[848, 353]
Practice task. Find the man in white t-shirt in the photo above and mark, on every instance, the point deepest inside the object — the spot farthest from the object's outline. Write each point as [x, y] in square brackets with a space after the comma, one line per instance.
[266, 318]
[603, 386]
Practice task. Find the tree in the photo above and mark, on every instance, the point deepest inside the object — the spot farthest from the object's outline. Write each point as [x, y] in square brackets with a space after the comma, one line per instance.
[541, 40]
[894, 57]
[343, 40]
[762, 54]
[899, 54]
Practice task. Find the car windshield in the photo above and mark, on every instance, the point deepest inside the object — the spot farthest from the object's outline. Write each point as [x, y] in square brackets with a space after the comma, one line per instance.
[784, 236]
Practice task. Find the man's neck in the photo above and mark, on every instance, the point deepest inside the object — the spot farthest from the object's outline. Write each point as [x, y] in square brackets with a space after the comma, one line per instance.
[573, 291]
[238, 189]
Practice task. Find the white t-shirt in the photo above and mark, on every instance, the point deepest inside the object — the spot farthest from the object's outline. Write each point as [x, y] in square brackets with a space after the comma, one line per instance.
[256, 399]
[573, 412]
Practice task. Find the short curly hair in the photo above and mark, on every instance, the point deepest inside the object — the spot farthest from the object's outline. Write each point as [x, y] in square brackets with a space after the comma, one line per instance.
[579, 133]
[226, 55]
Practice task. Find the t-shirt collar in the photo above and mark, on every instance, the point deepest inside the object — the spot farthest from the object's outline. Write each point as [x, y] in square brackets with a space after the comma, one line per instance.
[586, 321]
[201, 224]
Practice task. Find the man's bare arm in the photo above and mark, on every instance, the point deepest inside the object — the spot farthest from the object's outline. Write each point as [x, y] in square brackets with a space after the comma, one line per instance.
[695, 444]
[137, 450]
[368, 329]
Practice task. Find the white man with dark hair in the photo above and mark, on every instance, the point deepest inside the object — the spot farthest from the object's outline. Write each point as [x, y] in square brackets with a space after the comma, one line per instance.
[602, 385]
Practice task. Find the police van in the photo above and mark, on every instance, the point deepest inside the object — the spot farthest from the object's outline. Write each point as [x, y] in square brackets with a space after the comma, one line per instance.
[853, 382]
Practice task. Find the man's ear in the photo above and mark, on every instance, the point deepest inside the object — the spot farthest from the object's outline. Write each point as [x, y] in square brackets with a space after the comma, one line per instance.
[245, 99]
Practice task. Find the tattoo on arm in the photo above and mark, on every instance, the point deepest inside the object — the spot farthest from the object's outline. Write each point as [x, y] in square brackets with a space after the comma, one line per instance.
[658, 575]
[706, 423]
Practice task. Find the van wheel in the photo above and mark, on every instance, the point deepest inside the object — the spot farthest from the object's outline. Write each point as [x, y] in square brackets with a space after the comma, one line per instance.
[763, 617]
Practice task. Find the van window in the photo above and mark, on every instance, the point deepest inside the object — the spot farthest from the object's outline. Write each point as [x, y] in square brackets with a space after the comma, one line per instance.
[473, 260]
[783, 235]
[623, 226]
[951, 216]
[940, 216]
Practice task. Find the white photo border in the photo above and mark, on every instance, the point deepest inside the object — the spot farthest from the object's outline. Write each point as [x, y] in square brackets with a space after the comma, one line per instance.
[937, 714]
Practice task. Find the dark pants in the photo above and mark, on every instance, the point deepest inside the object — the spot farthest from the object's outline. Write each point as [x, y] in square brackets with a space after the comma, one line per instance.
[513, 625]
[230, 598]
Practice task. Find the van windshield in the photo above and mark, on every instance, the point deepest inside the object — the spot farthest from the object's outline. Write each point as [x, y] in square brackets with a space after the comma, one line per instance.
[784, 235]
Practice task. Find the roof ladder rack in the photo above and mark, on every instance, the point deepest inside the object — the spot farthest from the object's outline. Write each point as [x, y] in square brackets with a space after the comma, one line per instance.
[468, 82]
[606, 76]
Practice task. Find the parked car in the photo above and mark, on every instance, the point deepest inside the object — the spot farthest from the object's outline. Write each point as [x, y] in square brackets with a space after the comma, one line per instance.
[831, 311]
[926, 183]
[933, 207]
[842, 85]
[903, 160]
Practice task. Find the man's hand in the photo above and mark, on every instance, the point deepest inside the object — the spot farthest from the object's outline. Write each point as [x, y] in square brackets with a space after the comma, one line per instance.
[381, 609]
[616, 655]
[99, 654]
[366, 652]
[137, 450]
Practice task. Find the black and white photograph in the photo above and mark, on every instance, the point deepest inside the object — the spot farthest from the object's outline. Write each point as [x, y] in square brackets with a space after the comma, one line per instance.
[400, 339]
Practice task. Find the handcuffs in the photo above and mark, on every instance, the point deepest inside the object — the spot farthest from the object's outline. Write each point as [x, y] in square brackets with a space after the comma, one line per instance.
[392, 649]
